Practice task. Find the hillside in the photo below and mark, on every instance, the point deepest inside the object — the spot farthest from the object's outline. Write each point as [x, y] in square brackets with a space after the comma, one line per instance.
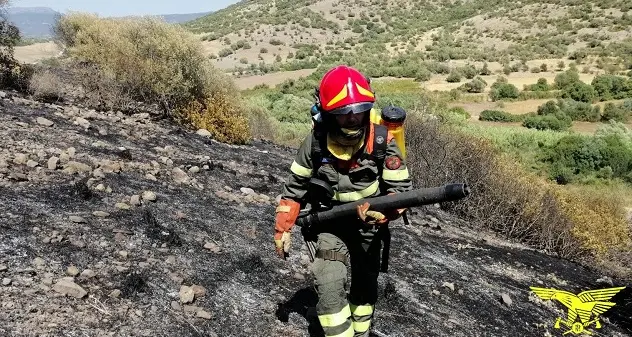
[383, 35]
[108, 219]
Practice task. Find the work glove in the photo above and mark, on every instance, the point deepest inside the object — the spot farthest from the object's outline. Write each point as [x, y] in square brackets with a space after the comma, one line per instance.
[286, 214]
[371, 217]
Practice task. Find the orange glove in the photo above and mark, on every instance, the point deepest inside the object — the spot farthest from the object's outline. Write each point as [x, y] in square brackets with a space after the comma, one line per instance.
[286, 214]
[371, 217]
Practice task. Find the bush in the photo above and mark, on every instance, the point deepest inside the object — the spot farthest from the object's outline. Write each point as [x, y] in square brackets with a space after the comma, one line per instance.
[13, 75]
[541, 85]
[608, 87]
[499, 116]
[511, 201]
[292, 109]
[565, 79]
[580, 91]
[616, 113]
[454, 77]
[547, 122]
[155, 62]
[46, 86]
[503, 90]
[475, 86]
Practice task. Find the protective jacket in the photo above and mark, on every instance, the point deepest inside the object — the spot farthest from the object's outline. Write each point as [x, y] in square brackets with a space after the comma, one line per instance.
[352, 177]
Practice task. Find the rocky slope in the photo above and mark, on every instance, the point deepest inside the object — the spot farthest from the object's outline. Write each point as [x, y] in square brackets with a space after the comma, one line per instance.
[124, 225]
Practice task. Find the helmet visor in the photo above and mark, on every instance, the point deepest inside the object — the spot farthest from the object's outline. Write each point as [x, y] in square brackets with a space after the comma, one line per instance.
[353, 108]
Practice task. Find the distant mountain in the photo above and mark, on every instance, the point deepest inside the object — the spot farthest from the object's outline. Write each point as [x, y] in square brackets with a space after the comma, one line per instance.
[37, 22]
[181, 18]
[34, 22]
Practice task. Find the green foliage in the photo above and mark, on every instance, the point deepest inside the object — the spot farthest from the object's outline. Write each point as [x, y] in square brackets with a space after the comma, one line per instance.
[499, 116]
[502, 90]
[609, 87]
[615, 112]
[580, 91]
[565, 79]
[291, 108]
[609, 151]
[555, 122]
[475, 86]
[542, 85]
[12, 74]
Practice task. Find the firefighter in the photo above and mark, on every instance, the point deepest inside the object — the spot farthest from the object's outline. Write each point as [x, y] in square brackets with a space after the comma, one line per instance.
[359, 159]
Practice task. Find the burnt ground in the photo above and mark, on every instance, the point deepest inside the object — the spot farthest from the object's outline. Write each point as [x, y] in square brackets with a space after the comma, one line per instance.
[210, 225]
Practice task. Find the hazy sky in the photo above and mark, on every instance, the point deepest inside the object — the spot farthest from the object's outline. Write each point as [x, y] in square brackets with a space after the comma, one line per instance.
[127, 7]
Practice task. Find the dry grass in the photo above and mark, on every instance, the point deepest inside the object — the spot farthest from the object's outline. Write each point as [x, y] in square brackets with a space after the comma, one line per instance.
[37, 52]
[569, 222]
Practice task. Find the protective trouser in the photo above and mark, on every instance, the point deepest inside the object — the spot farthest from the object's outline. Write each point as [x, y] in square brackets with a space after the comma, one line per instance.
[341, 316]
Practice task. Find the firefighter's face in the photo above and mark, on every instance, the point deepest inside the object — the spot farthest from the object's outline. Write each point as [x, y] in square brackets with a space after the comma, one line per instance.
[351, 121]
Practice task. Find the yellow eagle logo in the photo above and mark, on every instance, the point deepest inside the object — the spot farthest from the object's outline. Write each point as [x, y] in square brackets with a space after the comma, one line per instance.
[582, 306]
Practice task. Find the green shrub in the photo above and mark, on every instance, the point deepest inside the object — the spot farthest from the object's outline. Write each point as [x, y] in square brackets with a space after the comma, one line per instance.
[475, 86]
[292, 109]
[503, 90]
[454, 77]
[499, 116]
[12, 74]
[555, 122]
[542, 85]
[565, 79]
[579, 91]
[616, 113]
[608, 87]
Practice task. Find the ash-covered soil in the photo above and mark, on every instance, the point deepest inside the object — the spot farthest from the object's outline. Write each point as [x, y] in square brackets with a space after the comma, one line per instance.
[125, 225]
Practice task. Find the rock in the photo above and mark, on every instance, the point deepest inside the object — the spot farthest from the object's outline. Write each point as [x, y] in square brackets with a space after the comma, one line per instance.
[448, 285]
[43, 121]
[69, 288]
[98, 173]
[72, 271]
[203, 314]
[299, 276]
[39, 262]
[213, 247]
[134, 200]
[436, 292]
[76, 167]
[52, 163]
[194, 169]
[64, 157]
[77, 219]
[199, 291]
[187, 295]
[3, 268]
[109, 166]
[115, 293]
[82, 122]
[605, 280]
[151, 177]
[88, 273]
[123, 254]
[176, 306]
[100, 214]
[32, 163]
[20, 159]
[149, 196]
[71, 152]
[191, 308]
[122, 205]
[248, 191]
[100, 188]
[179, 176]
[204, 133]
[506, 299]
[6, 281]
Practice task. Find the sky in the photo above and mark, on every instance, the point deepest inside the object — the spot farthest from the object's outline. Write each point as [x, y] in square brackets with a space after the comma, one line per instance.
[127, 7]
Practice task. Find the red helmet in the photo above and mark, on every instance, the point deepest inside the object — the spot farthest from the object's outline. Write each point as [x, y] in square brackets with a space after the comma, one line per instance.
[344, 89]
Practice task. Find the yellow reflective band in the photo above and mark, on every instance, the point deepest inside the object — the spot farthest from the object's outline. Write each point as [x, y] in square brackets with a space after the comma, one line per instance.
[283, 209]
[341, 95]
[364, 92]
[361, 326]
[357, 195]
[347, 333]
[361, 310]
[333, 320]
[396, 174]
[300, 170]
